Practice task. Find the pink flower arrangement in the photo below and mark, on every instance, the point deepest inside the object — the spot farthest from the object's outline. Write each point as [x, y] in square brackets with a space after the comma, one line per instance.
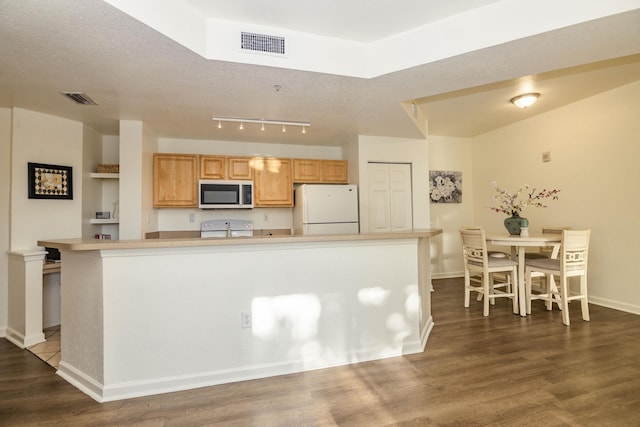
[516, 203]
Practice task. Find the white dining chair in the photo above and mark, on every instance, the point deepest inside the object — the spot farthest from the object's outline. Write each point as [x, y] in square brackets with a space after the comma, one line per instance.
[572, 262]
[547, 251]
[478, 263]
[500, 280]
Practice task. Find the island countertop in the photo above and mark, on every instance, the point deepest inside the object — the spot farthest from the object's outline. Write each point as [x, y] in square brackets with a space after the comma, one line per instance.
[313, 302]
[96, 244]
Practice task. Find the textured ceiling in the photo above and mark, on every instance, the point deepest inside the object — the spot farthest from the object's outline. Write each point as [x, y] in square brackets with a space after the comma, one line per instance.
[137, 73]
[358, 20]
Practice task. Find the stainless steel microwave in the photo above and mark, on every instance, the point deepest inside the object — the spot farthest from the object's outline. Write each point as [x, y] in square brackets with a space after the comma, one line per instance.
[216, 194]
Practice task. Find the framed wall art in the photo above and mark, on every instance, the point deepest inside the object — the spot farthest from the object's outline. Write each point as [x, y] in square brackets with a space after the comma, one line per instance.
[445, 186]
[50, 181]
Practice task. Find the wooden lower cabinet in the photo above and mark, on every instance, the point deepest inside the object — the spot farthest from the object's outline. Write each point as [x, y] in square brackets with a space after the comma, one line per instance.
[175, 180]
[273, 182]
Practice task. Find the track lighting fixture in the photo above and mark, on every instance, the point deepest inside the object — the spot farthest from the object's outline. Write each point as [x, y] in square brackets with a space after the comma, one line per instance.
[261, 122]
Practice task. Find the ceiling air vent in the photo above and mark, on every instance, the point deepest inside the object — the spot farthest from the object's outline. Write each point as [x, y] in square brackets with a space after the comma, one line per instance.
[80, 98]
[262, 43]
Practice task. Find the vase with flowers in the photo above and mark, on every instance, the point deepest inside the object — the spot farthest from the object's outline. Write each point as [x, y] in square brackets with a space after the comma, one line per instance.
[514, 204]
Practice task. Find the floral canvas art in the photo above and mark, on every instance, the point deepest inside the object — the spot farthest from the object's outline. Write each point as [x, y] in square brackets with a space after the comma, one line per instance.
[445, 186]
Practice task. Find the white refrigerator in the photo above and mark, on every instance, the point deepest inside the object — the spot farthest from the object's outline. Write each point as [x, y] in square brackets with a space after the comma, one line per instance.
[325, 209]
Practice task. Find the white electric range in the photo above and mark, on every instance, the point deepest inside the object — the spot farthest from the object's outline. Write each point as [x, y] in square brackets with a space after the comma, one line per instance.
[226, 228]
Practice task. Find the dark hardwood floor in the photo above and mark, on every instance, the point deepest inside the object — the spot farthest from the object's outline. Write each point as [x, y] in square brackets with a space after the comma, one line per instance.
[476, 371]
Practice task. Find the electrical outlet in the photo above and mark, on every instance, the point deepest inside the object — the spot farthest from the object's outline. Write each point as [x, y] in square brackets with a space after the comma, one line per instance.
[265, 218]
[192, 217]
[546, 156]
[245, 320]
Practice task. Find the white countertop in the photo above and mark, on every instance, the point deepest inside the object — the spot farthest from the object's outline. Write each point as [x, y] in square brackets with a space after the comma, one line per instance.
[96, 244]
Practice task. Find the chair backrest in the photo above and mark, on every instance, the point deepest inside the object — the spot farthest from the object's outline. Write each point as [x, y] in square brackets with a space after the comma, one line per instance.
[552, 251]
[474, 245]
[554, 230]
[575, 250]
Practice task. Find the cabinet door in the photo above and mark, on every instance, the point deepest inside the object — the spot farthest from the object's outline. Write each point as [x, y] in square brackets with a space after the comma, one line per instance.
[273, 183]
[335, 171]
[307, 170]
[239, 168]
[175, 180]
[212, 167]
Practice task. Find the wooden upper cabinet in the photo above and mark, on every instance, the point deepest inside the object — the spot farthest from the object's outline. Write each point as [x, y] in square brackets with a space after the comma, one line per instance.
[240, 168]
[273, 182]
[335, 171]
[223, 167]
[175, 180]
[307, 170]
[320, 171]
[212, 167]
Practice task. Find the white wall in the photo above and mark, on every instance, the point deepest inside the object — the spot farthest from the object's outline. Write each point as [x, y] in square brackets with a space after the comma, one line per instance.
[42, 138]
[396, 150]
[263, 218]
[5, 206]
[594, 146]
[92, 194]
[29, 136]
[452, 154]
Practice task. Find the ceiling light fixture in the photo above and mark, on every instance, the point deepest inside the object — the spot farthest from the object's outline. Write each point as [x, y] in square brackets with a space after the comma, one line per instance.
[261, 122]
[525, 100]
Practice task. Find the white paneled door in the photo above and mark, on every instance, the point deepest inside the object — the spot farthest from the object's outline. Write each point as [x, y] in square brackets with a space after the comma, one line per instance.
[390, 205]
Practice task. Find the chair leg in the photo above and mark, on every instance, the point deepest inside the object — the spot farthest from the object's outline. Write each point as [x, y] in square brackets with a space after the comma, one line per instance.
[527, 292]
[583, 302]
[492, 301]
[553, 291]
[467, 290]
[514, 291]
[564, 293]
[485, 285]
[548, 289]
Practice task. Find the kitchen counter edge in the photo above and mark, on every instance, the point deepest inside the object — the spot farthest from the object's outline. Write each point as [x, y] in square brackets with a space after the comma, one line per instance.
[96, 244]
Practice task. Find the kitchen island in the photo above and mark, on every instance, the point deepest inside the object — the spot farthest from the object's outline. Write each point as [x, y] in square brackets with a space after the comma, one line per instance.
[152, 316]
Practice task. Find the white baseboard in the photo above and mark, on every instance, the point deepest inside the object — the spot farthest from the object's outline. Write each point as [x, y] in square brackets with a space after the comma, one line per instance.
[131, 389]
[426, 331]
[22, 341]
[616, 305]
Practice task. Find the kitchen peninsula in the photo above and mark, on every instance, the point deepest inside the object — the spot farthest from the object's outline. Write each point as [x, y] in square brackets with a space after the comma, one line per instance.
[142, 317]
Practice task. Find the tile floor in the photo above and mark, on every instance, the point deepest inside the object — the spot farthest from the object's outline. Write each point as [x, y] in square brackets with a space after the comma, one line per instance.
[49, 351]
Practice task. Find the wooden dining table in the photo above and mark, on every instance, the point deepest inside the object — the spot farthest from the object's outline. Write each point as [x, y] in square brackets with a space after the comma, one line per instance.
[518, 246]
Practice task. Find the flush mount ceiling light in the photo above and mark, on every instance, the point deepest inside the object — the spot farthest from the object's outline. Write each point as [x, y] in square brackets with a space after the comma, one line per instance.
[525, 100]
[261, 122]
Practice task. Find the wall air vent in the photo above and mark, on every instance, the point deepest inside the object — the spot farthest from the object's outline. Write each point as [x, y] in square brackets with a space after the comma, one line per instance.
[262, 43]
[80, 98]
